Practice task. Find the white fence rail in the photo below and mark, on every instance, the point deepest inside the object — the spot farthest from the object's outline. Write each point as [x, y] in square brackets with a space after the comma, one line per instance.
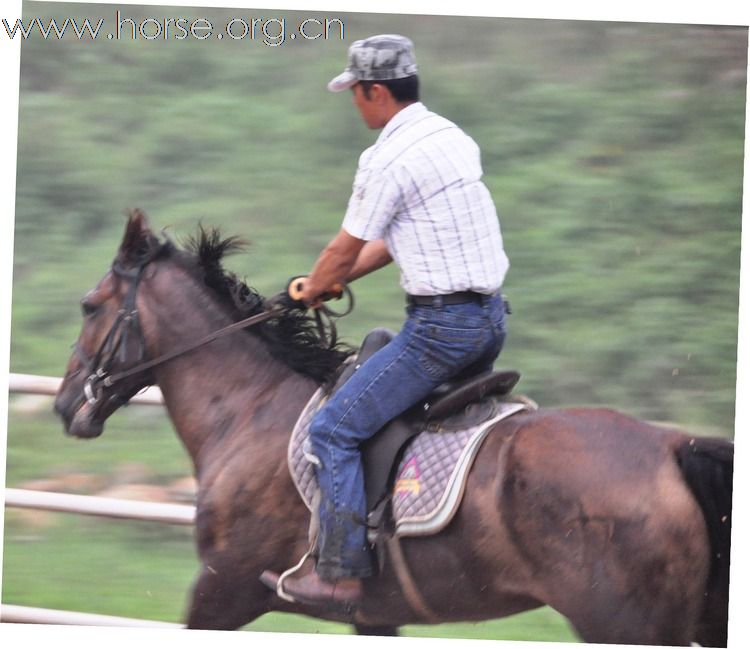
[98, 506]
[87, 505]
[32, 615]
[48, 385]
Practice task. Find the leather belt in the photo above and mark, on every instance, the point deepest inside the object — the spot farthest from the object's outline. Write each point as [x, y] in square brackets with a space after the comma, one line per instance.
[461, 297]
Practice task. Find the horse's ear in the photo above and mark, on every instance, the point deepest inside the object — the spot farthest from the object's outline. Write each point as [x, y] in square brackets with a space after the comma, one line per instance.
[138, 238]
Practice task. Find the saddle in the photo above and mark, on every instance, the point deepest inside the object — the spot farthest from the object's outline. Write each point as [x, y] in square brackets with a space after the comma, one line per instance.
[415, 468]
[451, 406]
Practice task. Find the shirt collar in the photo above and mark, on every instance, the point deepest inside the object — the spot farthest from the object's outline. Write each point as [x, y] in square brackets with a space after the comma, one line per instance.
[411, 112]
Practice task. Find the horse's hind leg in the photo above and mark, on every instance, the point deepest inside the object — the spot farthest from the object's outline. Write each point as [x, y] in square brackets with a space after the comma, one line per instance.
[607, 616]
[625, 564]
[639, 583]
[376, 630]
[628, 584]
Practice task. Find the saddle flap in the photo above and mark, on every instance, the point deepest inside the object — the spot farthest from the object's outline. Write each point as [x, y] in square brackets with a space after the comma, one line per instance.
[379, 457]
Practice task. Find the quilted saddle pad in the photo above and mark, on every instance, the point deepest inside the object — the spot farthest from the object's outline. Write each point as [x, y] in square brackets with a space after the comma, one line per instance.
[431, 476]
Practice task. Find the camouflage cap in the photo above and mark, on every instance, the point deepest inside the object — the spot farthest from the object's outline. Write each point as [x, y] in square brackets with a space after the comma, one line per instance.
[378, 58]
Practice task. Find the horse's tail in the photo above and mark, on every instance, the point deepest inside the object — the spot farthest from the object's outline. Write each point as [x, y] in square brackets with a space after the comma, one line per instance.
[707, 464]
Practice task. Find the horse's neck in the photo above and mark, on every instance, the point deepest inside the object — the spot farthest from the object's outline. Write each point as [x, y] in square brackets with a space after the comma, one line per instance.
[229, 396]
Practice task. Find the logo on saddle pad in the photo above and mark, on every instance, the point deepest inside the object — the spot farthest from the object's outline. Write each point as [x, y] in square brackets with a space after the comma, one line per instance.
[408, 480]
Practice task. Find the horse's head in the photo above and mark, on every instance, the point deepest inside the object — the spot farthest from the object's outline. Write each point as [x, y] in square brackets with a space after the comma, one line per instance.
[111, 339]
[143, 302]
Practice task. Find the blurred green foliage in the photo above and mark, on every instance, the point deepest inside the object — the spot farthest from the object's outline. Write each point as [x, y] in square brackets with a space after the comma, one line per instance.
[614, 152]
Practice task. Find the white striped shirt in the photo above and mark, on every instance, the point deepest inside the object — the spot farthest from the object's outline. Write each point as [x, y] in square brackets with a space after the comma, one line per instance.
[419, 188]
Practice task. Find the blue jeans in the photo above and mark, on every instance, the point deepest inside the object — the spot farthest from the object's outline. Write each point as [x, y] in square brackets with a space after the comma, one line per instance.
[435, 344]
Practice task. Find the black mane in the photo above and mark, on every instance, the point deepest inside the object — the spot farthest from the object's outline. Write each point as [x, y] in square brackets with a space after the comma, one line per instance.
[291, 338]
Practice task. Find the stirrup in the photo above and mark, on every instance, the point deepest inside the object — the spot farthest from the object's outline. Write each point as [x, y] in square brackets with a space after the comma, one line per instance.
[288, 573]
[312, 536]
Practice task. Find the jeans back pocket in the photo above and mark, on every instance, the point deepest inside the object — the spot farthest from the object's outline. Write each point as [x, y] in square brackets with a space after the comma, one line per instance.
[447, 350]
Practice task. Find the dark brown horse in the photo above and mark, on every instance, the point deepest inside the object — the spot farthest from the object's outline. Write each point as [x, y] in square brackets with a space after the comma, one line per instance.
[621, 526]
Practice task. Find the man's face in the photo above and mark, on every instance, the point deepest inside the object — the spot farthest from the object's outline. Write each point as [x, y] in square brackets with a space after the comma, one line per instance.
[371, 109]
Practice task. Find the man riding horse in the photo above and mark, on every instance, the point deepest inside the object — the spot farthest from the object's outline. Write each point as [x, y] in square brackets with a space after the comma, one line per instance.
[418, 199]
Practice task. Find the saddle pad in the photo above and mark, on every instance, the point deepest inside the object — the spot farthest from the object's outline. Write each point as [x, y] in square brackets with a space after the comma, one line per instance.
[431, 475]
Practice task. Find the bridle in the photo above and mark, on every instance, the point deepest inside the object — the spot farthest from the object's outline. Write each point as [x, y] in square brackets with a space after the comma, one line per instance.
[115, 344]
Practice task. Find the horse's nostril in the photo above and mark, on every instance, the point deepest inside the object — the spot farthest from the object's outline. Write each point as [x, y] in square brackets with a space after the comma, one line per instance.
[61, 405]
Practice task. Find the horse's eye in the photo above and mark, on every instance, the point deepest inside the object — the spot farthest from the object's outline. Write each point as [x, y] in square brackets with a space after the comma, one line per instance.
[88, 308]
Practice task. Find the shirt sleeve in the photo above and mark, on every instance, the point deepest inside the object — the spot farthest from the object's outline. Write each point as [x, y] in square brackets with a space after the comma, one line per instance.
[375, 200]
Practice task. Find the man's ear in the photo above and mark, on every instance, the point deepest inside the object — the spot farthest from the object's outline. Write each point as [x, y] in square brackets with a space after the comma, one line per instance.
[379, 93]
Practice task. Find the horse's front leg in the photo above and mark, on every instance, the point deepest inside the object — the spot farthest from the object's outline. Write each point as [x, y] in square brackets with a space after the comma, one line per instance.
[225, 599]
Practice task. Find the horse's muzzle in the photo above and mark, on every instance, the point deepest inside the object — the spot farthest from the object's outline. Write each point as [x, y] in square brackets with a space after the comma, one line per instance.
[80, 419]
[85, 424]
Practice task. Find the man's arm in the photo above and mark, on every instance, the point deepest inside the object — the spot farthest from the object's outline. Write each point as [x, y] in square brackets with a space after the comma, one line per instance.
[372, 256]
[333, 265]
[345, 258]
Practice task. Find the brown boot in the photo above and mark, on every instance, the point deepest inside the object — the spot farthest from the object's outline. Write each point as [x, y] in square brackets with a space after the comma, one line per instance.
[316, 591]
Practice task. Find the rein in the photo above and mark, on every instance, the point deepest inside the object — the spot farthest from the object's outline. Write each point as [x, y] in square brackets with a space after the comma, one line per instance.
[272, 312]
[127, 318]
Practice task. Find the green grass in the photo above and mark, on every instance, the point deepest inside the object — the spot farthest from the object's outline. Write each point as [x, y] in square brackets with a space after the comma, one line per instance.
[144, 570]
[77, 563]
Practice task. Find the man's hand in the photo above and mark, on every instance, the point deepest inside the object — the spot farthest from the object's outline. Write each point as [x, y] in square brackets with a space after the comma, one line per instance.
[297, 291]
